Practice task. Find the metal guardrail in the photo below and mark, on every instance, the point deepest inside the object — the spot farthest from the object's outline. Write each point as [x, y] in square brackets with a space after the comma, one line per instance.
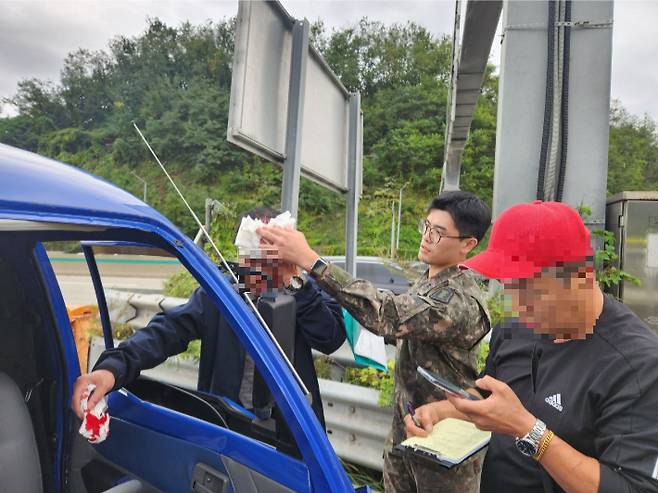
[356, 425]
[136, 309]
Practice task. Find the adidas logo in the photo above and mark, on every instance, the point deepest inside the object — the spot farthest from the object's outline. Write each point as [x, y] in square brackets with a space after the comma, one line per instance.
[555, 401]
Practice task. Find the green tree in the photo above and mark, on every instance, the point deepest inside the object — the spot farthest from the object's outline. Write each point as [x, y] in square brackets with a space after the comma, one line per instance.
[632, 152]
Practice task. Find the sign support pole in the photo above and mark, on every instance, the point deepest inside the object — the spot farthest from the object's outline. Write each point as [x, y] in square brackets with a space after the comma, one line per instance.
[292, 162]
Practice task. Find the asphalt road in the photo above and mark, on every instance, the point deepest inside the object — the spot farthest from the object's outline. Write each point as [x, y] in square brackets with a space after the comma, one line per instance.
[135, 273]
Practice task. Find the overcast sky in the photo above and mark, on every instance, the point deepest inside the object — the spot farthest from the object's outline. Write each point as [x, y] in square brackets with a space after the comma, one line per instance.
[36, 35]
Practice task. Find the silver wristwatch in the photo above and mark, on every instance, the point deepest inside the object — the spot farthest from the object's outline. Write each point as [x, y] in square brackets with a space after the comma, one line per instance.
[295, 284]
[529, 444]
[319, 267]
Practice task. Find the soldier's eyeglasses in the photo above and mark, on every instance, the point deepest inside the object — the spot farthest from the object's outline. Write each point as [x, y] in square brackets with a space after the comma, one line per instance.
[424, 227]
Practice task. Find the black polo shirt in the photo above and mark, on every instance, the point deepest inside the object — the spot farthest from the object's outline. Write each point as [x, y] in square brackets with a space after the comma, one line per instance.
[600, 395]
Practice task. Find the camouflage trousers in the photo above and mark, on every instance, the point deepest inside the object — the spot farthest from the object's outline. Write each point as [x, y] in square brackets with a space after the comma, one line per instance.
[408, 475]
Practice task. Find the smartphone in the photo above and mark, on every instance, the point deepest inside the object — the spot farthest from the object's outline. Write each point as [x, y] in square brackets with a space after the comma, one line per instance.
[445, 385]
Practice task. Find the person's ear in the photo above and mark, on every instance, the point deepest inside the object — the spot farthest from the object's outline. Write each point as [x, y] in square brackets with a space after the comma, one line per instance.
[468, 244]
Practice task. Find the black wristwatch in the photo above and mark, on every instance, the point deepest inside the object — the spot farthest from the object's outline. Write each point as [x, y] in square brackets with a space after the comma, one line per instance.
[295, 284]
[319, 268]
[529, 444]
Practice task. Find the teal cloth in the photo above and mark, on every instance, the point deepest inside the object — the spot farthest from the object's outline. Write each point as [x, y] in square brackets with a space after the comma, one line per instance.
[352, 330]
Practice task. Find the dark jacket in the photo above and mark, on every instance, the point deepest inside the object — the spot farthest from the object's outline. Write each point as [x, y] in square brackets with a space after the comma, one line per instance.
[320, 326]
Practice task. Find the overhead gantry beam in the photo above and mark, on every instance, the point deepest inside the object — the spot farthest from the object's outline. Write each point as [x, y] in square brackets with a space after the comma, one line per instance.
[469, 64]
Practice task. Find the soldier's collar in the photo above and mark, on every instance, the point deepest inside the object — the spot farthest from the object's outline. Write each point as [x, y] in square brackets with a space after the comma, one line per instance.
[446, 273]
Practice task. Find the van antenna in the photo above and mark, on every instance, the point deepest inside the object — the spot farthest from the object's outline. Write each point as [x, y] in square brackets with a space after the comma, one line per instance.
[245, 294]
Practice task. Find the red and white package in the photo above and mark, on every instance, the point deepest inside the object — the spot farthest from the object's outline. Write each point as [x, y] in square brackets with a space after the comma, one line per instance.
[96, 423]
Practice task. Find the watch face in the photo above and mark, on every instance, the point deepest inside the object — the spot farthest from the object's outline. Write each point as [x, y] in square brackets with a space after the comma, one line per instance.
[319, 267]
[296, 283]
[526, 447]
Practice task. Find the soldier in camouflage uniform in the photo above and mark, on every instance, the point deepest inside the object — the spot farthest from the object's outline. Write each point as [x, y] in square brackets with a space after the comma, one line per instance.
[437, 324]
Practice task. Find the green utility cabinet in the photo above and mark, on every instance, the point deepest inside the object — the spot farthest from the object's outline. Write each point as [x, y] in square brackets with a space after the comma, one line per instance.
[633, 218]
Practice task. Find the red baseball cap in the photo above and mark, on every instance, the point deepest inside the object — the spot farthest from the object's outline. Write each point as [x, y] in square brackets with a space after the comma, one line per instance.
[528, 237]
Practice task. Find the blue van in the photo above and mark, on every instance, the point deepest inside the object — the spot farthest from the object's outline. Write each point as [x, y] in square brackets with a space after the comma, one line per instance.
[162, 438]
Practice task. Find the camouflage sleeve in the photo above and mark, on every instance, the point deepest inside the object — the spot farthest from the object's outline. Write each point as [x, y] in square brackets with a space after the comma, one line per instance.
[443, 315]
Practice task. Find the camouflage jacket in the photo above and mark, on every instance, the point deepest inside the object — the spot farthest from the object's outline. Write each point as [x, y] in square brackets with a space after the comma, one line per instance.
[437, 324]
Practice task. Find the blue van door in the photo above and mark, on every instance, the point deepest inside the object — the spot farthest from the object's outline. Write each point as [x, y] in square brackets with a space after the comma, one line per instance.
[177, 440]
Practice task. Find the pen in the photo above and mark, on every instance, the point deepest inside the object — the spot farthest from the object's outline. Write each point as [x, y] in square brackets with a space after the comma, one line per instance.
[412, 413]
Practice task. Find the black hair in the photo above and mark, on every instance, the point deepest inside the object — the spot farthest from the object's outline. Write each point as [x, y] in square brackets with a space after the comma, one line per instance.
[471, 215]
[263, 213]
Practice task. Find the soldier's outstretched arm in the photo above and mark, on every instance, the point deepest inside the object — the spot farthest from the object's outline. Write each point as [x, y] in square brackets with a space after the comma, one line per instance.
[443, 315]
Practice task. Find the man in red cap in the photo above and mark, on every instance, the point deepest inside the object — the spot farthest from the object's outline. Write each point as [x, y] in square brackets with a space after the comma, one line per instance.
[570, 387]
